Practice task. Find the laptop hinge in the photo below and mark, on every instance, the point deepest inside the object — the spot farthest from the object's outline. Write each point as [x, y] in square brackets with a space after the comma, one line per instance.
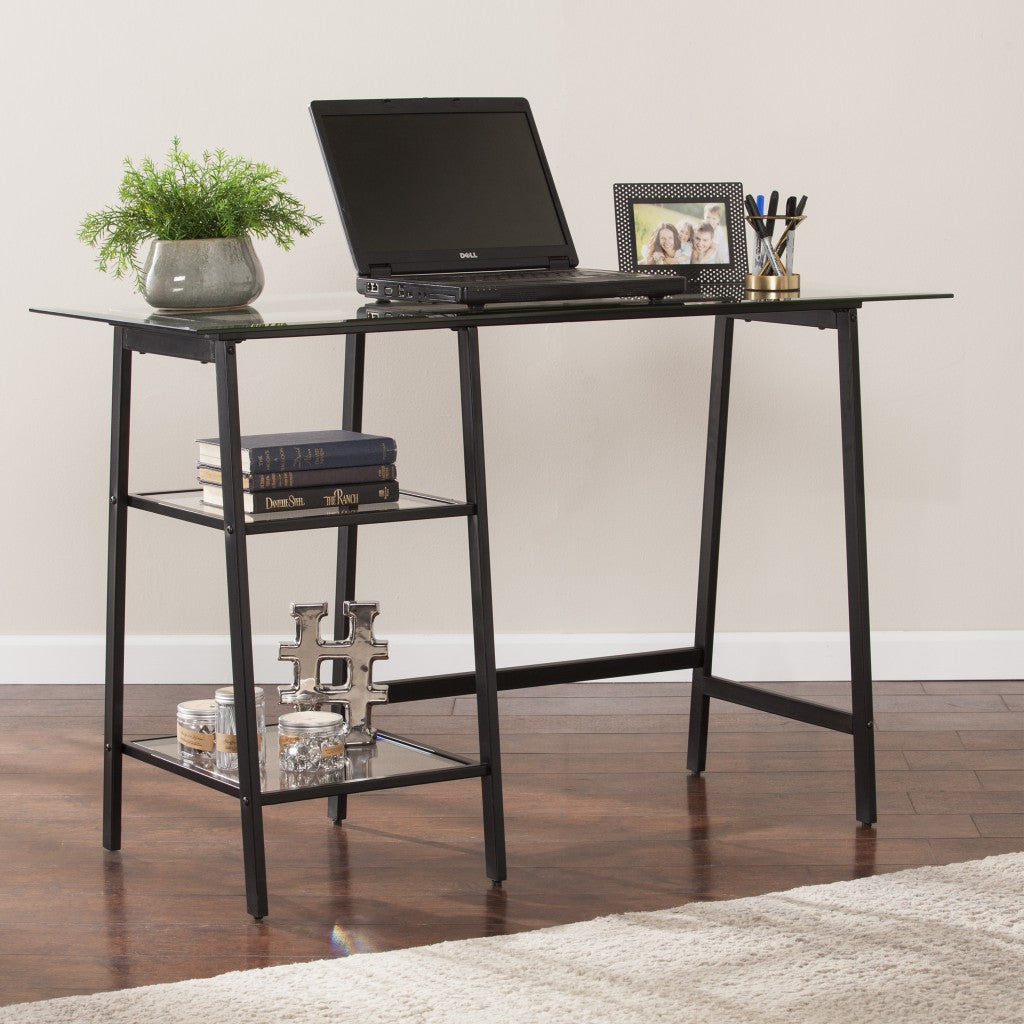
[380, 270]
[560, 263]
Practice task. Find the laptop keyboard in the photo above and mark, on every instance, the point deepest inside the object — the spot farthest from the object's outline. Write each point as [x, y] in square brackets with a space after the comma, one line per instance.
[526, 276]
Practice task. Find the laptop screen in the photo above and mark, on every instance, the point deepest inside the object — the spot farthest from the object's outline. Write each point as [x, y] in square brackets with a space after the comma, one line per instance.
[419, 189]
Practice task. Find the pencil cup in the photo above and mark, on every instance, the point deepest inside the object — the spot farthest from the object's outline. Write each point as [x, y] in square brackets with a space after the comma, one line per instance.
[771, 266]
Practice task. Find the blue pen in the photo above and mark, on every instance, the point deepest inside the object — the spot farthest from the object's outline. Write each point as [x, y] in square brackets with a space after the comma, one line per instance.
[760, 205]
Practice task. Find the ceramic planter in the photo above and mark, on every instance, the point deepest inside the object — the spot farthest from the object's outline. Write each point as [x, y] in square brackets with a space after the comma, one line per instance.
[202, 273]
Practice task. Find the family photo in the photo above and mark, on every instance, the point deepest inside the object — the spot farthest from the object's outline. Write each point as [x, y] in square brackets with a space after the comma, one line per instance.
[670, 234]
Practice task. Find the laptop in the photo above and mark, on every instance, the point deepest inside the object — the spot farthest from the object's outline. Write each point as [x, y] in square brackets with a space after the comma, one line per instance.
[452, 200]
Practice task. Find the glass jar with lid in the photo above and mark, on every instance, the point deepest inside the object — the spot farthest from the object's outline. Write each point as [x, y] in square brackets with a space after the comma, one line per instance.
[227, 733]
[311, 741]
[197, 726]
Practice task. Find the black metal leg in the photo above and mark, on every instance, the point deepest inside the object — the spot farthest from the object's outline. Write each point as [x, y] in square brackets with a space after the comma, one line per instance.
[710, 539]
[857, 568]
[113, 760]
[337, 808]
[250, 796]
[345, 577]
[483, 613]
[351, 419]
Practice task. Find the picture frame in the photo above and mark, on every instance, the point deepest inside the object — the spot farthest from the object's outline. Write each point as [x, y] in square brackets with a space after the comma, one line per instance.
[651, 219]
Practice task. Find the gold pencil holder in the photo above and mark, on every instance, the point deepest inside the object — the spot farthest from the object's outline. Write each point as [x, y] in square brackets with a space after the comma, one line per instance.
[771, 265]
[772, 282]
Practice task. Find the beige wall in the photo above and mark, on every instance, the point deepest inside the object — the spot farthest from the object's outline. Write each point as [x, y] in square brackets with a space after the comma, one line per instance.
[902, 122]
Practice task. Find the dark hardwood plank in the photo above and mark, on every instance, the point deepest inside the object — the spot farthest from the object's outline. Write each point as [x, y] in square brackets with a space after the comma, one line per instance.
[999, 826]
[982, 801]
[995, 739]
[1012, 780]
[976, 686]
[989, 759]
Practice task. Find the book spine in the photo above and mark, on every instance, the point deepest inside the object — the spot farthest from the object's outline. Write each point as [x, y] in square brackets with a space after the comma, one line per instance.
[304, 478]
[321, 477]
[292, 458]
[324, 497]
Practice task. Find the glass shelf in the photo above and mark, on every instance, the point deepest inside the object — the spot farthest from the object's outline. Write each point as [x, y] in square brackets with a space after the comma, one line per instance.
[188, 505]
[389, 763]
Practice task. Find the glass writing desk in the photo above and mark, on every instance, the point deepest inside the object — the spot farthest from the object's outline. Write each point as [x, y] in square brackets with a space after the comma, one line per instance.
[214, 338]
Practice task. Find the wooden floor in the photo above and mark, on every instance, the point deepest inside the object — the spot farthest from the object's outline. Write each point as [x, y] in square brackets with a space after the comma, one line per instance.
[601, 818]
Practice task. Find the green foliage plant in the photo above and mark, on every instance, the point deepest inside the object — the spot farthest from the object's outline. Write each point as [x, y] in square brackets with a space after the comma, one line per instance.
[218, 196]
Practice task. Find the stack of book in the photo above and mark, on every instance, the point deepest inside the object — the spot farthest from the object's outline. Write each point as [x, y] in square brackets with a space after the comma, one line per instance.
[306, 471]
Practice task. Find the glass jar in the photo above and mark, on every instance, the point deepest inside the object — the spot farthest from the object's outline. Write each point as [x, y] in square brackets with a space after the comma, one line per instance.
[311, 741]
[227, 737]
[197, 725]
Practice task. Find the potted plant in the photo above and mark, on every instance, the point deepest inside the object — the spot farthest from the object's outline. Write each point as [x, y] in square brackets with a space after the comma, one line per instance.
[200, 216]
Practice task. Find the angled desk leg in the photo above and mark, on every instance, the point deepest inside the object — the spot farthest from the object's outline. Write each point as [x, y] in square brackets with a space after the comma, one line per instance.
[483, 613]
[858, 722]
[113, 758]
[857, 567]
[345, 578]
[710, 541]
[250, 795]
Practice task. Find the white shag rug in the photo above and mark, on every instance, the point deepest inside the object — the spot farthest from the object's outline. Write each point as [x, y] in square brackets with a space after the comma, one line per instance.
[926, 946]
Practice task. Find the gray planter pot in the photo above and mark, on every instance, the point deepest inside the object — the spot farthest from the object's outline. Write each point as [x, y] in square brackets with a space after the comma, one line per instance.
[202, 273]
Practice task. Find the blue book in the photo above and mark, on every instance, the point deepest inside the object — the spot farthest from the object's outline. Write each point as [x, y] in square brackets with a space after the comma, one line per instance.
[305, 449]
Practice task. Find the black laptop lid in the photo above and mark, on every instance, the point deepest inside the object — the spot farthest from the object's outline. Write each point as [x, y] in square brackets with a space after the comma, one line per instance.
[435, 185]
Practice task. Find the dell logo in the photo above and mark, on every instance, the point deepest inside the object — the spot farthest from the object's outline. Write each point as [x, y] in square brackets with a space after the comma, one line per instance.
[468, 256]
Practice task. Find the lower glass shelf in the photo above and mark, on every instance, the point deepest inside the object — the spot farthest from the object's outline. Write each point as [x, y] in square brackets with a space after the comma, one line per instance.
[390, 763]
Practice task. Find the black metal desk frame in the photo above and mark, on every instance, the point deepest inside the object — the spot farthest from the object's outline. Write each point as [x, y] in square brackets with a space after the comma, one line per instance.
[220, 348]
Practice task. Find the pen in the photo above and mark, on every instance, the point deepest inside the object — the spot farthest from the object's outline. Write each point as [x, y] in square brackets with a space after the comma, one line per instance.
[798, 211]
[794, 211]
[773, 209]
[792, 222]
[784, 245]
[759, 229]
[755, 216]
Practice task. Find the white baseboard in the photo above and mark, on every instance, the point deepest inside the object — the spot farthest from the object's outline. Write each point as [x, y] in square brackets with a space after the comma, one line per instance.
[979, 654]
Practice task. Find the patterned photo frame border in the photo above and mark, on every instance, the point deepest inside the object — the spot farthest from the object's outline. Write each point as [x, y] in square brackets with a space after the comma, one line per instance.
[628, 196]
